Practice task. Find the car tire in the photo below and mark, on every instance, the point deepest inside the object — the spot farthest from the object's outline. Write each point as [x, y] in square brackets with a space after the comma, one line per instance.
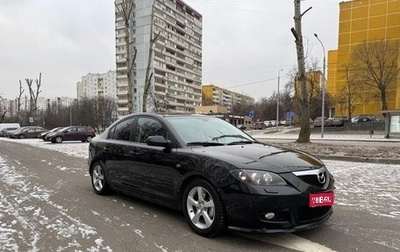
[58, 139]
[89, 138]
[22, 137]
[203, 209]
[99, 181]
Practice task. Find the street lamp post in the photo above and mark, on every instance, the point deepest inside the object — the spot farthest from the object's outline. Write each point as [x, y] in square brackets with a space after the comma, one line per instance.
[323, 89]
[277, 103]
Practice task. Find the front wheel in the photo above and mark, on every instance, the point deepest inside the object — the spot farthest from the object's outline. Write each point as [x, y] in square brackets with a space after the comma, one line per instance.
[99, 181]
[58, 139]
[88, 138]
[203, 209]
[22, 137]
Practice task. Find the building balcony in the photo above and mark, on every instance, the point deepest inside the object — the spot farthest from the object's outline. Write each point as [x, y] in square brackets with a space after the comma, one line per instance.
[170, 4]
[122, 101]
[122, 68]
[121, 60]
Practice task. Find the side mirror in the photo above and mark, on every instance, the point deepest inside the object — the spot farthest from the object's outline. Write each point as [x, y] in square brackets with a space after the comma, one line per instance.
[158, 141]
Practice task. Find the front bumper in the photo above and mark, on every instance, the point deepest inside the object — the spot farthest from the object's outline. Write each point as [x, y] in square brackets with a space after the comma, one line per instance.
[246, 212]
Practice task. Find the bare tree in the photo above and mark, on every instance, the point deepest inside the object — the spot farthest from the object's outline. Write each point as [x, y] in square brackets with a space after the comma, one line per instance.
[348, 95]
[158, 103]
[304, 135]
[21, 91]
[34, 95]
[125, 8]
[377, 64]
[3, 109]
[242, 108]
[147, 81]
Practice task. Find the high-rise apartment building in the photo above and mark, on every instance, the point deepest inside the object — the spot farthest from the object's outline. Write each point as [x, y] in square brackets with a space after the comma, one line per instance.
[98, 85]
[175, 62]
[363, 21]
[213, 95]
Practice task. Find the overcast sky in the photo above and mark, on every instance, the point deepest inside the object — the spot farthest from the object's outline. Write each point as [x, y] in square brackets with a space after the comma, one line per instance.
[245, 42]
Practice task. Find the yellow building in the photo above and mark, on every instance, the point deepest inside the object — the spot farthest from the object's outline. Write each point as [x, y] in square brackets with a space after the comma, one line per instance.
[213, 95]
[363, 21]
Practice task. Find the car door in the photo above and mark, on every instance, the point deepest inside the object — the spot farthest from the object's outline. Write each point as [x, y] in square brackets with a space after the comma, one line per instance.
[30, 133]
[116, 154]
[81, 133]
[70, 133]
[153, 170]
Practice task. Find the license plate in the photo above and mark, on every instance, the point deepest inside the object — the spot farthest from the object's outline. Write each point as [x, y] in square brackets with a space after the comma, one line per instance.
[321, 199]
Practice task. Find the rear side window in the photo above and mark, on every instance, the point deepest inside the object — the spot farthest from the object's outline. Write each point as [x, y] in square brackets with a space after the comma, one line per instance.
[122, 131]
[82, 129]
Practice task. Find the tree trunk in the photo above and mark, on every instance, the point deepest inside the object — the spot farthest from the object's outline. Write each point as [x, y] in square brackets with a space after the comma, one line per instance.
[147, 81]
[304, 135]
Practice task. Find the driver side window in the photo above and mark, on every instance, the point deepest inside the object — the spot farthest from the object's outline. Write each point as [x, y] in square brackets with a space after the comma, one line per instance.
[148, 127]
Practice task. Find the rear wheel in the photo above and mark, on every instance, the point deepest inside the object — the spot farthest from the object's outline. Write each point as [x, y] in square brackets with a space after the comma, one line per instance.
[99, 181]
[203, 209]
[88, 138]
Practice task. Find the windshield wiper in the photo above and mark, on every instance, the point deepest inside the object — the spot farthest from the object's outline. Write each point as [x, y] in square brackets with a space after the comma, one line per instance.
[223, 136]
[204, 144]
[241, 142]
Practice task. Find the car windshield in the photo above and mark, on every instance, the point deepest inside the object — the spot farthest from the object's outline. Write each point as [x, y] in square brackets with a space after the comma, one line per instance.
[208, 131]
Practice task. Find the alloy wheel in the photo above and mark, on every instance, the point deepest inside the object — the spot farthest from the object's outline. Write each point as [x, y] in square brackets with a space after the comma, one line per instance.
[200, 207]
[98, 178]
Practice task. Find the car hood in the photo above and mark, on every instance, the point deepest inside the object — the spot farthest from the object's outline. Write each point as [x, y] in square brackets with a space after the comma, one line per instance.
[262, 157]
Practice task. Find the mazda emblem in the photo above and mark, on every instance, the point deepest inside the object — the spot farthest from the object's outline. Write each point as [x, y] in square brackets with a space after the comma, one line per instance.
[321, 178]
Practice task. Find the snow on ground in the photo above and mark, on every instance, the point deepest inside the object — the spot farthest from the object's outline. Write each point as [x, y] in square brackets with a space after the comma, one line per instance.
[26, 209]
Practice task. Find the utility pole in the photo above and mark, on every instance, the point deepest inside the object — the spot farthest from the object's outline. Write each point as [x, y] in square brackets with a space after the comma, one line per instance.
[323, 88]
[277, 103]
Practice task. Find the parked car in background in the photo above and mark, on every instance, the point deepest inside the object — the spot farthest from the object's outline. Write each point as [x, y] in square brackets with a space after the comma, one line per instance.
[71, 133]
[318, 122]
[354, 119]
[5, 132]
[27, 132]
[366, 118]
[43, 134]
[9, 125]
[338, 121]
[219, 176]
[258, 125]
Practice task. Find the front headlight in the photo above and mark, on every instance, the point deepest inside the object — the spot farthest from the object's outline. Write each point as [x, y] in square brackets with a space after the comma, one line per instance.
[261, 178]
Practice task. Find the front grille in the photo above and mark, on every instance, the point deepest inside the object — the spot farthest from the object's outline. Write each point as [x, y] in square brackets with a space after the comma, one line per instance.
[315, 177]
[311, 179]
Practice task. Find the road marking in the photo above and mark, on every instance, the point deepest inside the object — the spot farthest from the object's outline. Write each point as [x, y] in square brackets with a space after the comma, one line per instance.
[289, 241]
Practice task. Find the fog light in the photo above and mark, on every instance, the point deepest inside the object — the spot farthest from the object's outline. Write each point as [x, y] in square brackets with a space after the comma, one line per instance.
[269, 216]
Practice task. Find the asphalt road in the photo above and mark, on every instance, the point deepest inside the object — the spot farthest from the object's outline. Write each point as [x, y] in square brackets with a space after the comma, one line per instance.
[47, 204]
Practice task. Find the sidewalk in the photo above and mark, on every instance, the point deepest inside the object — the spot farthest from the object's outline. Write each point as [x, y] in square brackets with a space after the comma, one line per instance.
[343, 146]
[293, 133]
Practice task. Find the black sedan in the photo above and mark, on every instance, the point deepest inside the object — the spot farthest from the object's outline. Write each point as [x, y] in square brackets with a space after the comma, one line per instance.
[215, 173]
